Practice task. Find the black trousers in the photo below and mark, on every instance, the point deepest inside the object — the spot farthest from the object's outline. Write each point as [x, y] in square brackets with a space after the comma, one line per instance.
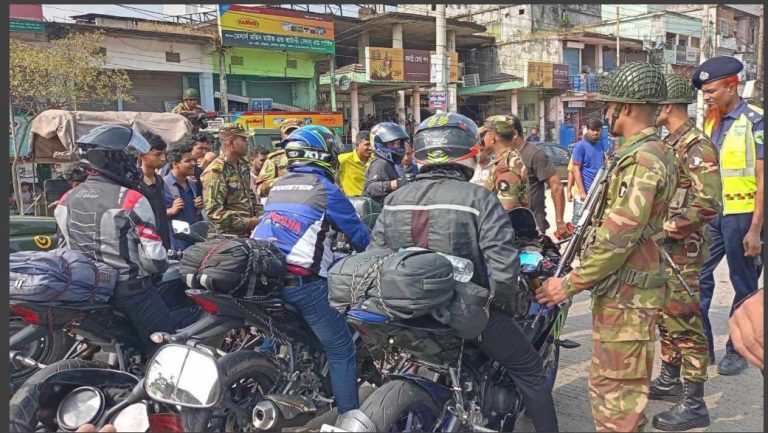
[504, 341]
[145, 309]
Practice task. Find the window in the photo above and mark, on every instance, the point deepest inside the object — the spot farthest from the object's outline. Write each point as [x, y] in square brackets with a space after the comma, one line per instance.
[527, 111]
[171, 57]
[725, 28]
[695, 42]
[521, 12]
[236, 61]
[671, 39]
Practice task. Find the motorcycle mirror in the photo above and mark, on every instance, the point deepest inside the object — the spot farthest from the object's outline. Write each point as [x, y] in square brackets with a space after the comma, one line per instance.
[183, 376]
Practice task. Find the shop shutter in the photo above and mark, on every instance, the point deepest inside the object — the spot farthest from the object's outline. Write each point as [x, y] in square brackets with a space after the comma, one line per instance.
[150, 90]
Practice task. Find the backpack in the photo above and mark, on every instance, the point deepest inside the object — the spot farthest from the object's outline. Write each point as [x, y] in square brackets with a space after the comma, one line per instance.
[239, 267]
[60, 275]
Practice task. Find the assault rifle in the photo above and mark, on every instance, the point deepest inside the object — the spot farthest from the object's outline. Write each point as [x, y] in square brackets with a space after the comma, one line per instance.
[675, 270]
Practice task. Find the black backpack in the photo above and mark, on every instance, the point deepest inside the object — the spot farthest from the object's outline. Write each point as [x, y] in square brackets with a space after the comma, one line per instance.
[243, 268]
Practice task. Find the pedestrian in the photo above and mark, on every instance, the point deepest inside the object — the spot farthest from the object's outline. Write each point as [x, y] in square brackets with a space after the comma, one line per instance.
[152, 185]
[258, 158]
[696, 202]
[588, 158]
[229, 203]
[276, 163]
[736, 128]
[201, 146]
[407, 166]
[27, 198]
[382, 177]
[483, 168]
[181, 199]
[507, 178]
[533, 135]
[352, 165]
[620, 261]
[542, 173]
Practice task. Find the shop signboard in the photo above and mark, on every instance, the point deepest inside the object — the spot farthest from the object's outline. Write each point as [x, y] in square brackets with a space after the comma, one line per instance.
[257, 120]
[275, 28]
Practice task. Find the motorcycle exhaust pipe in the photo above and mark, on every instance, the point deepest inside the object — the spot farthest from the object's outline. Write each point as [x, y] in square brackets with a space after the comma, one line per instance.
[22, 360]
[278, 411]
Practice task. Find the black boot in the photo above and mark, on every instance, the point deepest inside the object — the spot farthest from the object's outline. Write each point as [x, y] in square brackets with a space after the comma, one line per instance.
[667, 386]
[688, 414]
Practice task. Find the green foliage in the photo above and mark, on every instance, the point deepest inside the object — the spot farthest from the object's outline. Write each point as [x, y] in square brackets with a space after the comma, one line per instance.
[68, 72]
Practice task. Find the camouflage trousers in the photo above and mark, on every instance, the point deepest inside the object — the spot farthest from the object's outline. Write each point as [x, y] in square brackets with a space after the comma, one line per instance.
[681, 326]
[623, 332]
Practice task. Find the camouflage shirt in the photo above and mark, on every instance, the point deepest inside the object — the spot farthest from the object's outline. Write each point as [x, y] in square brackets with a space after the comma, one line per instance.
[275, 166]
[698, 195]
[508, 180]
[182, 107]
[229, 201]
[630, 217]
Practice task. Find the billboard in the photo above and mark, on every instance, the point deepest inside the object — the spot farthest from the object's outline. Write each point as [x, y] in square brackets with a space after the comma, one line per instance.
[276, 29]
[547, 75]
[253, 120]
[399, 65]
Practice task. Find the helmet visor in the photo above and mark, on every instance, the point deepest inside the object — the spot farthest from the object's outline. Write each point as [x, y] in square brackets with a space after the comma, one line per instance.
[137, 144]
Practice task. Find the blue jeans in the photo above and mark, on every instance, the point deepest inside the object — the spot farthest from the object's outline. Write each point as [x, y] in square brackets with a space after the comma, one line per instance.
[311, 299]
[577, 207]
[726, 236]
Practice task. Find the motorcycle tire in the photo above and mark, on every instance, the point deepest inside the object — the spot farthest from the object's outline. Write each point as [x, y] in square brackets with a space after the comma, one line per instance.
[388, 405]
[234, 367]
[47, 350]
[24, 405]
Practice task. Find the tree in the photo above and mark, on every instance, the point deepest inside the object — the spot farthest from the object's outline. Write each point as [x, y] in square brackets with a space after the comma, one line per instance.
[68, 72]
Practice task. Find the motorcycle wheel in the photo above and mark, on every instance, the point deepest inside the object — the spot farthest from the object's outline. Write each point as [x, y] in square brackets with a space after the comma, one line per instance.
[247, 376]
[401, 405]
[24, 405]
[47, 350]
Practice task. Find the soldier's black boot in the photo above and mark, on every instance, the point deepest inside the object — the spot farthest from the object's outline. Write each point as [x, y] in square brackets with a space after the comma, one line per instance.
[690, 413]
[667, 386]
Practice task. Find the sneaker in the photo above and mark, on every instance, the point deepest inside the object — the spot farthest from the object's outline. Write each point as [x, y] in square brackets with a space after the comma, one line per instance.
[731, 364]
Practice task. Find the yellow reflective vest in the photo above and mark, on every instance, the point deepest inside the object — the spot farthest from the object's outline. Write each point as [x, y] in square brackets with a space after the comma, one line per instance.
[737, 163]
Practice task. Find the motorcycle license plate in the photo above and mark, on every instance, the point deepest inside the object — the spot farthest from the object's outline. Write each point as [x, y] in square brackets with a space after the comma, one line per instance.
[330, 428]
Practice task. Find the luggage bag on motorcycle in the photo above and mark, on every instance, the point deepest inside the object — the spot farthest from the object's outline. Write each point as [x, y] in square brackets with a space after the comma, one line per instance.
[60, 275]
[400, 285]
[239, 267]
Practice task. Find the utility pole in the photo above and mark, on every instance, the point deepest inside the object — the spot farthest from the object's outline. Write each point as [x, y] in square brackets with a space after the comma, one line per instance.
[703, 56]
[758, 91]
[223, 101]
[440, 36]
[618, 44]
[332, 59]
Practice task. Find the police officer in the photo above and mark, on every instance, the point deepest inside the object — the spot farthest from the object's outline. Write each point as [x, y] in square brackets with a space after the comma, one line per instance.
[696, 202]
[229, 202]
[190, 104]
[736, 128]
[276, 163]
[620, 261]
[508, 178]
[381, 177]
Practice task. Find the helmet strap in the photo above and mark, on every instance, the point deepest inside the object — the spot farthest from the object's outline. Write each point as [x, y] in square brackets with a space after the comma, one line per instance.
[615, 117]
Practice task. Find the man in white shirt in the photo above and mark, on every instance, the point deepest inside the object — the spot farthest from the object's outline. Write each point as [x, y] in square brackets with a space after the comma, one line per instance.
[483, 166]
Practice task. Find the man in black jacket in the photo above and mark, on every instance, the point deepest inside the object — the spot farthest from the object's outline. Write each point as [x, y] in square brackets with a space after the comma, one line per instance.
[442, 211]
[381, 177]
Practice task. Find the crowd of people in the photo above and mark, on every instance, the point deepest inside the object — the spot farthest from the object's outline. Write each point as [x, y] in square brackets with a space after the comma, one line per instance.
[696, 194]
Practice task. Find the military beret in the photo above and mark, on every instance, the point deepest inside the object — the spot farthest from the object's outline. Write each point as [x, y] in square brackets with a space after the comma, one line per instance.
[715, 69]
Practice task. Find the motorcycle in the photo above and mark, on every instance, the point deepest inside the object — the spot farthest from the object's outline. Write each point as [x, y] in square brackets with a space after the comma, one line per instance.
[57, 330]
[64, 396]
[439, 383]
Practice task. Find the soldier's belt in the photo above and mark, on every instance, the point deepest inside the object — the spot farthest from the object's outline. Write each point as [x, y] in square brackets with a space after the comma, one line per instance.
[639, 278]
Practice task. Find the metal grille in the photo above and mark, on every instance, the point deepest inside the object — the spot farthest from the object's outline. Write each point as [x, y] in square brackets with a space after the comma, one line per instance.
[679, 90]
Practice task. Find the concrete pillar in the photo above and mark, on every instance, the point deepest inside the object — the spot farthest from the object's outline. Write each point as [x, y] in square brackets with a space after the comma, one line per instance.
[355, 113]
[416, 105]
[513, 107]
[599, 59]
[452, 93]
[542, 115]
[206, 91]
[397, 42]
[363, 40]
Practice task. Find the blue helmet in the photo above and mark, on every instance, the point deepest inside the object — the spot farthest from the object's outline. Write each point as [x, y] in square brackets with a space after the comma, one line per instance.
[387, 132]
[313, 145]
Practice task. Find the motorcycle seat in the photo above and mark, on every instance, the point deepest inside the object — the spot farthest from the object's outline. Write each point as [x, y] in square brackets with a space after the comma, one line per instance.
[426, 323]
[279, 301]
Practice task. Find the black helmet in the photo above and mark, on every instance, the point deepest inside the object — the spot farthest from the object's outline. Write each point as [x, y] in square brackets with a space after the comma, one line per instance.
[111, 150]
[447, 139]
[382, 134]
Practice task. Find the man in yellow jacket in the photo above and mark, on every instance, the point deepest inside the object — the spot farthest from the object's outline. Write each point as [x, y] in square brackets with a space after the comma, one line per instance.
[736, 128]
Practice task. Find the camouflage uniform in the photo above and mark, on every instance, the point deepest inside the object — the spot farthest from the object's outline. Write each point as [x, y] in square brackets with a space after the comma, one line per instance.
[181, 107]
[277, 163]
[507, 177]
[229, 202]
[620, 261]
[696, 202]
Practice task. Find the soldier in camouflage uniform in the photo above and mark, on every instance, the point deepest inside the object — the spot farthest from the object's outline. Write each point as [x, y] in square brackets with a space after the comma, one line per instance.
[620, 260]
[507, 178]
[229, 202]
[696, 202]
[277, 163]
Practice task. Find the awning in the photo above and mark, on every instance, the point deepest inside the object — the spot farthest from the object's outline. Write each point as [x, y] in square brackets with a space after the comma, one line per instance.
[20, 124]
[491, 88]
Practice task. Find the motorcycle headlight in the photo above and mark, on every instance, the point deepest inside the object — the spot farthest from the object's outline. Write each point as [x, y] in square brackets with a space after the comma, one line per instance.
[81, 406]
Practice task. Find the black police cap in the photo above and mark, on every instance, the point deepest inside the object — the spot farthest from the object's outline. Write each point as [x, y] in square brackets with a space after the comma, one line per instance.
[715, 69]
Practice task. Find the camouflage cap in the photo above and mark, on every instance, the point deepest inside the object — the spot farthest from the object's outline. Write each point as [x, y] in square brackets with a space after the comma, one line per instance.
[290, 123]
[235, 129]
[500, 124]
